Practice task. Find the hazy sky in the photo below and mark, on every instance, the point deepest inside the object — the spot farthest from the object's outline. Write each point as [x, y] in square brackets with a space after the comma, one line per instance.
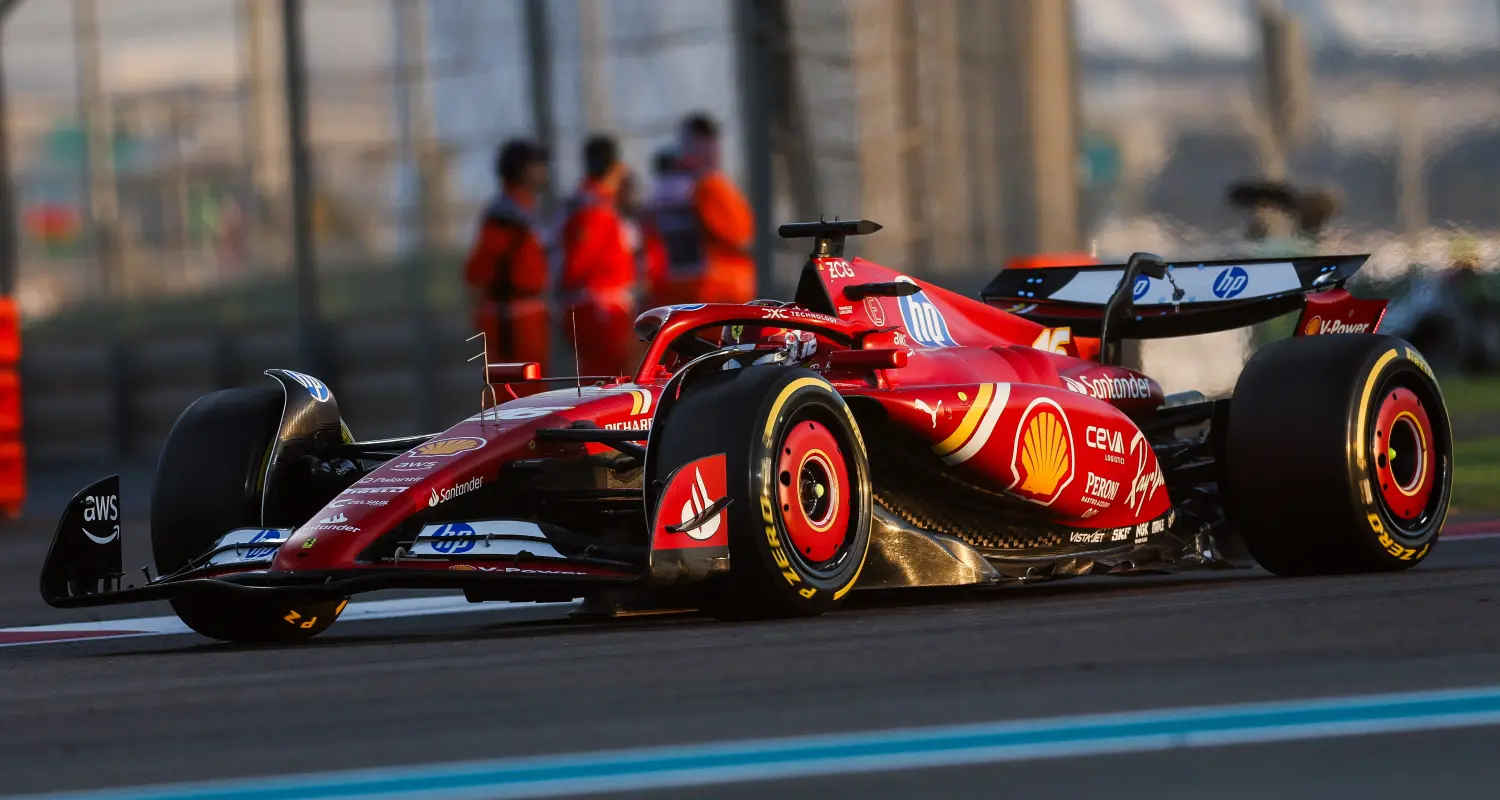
[153, 43]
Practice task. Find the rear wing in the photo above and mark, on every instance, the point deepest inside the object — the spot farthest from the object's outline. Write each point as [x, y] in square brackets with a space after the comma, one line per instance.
[1195, 297]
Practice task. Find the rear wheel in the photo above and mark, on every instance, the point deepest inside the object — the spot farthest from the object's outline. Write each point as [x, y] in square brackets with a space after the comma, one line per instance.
[209, 482]
[799, 484]
[1339, 455]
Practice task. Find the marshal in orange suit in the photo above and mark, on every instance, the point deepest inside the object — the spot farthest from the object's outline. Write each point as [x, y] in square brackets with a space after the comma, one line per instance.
[704, 222]
[599, 272]
[507, 267]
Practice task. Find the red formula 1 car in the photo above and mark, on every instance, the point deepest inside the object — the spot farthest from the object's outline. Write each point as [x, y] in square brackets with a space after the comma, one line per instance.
[766, 459]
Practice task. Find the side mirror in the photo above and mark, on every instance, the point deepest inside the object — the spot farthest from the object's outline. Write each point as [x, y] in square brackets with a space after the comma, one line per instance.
[513, 373]
[860, 291]
[1148, 264]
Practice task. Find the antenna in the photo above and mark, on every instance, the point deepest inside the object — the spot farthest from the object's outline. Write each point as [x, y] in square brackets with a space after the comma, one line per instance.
[487, 398]
[577, 360]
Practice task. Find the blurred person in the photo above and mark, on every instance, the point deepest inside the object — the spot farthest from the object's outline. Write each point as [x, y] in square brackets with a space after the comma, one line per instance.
[599, 277]
[633, 218]
[507, 270]
[706, 225]
[671, 193]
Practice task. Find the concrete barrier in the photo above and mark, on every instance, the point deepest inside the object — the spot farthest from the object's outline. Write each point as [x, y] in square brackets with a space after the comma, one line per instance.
[98, 402]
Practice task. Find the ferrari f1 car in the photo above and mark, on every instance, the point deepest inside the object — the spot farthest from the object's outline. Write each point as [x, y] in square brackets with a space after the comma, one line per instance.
[767, 459]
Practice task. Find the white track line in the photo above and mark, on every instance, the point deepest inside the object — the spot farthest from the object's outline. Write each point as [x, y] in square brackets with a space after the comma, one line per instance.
[171, 625]
[356, 612]
[1468, 537]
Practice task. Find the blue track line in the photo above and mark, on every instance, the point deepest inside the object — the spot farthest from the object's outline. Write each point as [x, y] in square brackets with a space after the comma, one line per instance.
[872, 751]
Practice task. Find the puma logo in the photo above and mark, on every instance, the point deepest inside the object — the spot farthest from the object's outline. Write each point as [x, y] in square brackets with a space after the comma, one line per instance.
[929, 410]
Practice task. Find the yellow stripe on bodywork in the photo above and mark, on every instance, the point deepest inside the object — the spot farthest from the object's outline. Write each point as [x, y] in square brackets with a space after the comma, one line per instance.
[968, 423]
[1364, 407]
[986, 427]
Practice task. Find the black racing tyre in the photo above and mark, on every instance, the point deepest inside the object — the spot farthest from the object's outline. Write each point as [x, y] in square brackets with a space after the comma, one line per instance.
[208, 482]
[799, 484]
[1339, 455]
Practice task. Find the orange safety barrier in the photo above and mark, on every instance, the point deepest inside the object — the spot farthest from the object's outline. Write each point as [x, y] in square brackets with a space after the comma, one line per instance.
[10, 404]
[10, 333]
[12, 451]
[12, 478]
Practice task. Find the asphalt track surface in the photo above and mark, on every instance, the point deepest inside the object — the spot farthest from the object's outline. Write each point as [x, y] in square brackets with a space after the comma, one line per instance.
[130, 712]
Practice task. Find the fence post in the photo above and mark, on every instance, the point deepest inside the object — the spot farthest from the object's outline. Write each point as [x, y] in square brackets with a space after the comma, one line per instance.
[304, 253]
[9, 246]
[757, 106]
[539, 61]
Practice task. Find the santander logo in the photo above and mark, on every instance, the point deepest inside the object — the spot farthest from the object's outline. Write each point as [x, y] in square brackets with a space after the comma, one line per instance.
[695, 506]
[693, 489]
[453, 491]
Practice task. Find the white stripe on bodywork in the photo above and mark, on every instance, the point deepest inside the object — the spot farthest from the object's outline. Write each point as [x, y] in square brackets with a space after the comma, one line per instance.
[986, 427]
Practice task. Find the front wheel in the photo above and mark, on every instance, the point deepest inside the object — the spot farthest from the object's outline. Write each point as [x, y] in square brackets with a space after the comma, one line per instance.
[1339, 455]
[210, 481]
[799, 485]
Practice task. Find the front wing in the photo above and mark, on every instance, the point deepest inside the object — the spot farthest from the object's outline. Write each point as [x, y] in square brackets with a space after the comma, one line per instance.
[497, 559]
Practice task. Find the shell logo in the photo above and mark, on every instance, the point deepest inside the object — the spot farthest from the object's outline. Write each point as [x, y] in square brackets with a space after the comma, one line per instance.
[1042, 460]
[449, 447]
[1314, 327]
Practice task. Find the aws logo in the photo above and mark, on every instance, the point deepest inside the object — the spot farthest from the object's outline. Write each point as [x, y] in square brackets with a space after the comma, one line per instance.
[924, 320]
[1042, 458]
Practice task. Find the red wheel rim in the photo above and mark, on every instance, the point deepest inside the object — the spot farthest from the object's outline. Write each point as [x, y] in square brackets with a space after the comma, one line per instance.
[1404, 457]
[812, 486]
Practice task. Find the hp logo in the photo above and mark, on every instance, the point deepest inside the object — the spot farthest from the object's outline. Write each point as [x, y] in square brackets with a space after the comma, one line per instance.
[924, 321]
[1230, 283]
[446, 541]
[1142, 285]
[257, 553]
[314, 387]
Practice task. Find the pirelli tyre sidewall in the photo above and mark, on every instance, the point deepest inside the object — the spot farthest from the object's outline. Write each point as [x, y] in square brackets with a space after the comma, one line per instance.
[800, 401]
[768, 420]
[1400, 383]
[1339, 455]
